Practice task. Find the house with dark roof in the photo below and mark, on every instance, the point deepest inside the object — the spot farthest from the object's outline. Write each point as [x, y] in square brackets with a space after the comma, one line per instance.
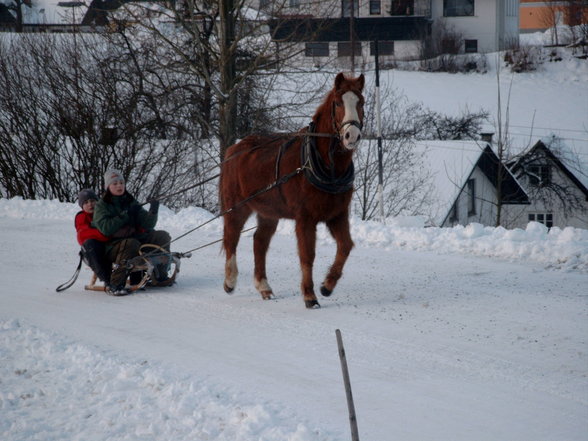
[465, 180]
[60, 15]
[556, 179]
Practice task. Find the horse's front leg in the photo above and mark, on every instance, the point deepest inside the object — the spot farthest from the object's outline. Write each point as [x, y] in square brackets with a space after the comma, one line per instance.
[261, 240]
[339, 228]
[306, 235]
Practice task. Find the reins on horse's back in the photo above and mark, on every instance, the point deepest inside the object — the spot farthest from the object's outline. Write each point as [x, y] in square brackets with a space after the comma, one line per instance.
[271, 186]
[292, 135]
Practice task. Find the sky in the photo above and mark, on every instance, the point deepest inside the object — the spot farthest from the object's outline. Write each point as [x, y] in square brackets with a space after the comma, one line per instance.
[465, 333]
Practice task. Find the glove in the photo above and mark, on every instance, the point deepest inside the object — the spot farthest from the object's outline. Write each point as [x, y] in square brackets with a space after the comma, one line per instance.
[154, 207]
[133, 210]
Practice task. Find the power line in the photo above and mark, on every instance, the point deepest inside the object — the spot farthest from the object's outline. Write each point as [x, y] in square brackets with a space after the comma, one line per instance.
[559, 137]
[549, 128]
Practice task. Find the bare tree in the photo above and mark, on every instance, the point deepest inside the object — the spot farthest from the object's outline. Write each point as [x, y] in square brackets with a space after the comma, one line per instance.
[227, 45]
[433, 125]
[542, 167]
[575, 14]
[407, 184]
[550, 17]
[73, 108]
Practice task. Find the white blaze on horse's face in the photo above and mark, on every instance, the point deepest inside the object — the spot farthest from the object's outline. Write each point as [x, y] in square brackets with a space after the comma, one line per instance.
[350, 133]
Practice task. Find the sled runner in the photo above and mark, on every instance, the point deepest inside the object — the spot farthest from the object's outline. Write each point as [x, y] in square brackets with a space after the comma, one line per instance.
[157, 266]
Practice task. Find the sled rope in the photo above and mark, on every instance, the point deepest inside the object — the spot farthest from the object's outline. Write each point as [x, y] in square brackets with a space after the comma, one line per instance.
[73, 279]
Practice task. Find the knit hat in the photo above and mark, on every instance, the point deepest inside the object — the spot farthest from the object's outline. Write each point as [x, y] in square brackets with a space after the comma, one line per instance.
[112, 175]
[85, 195]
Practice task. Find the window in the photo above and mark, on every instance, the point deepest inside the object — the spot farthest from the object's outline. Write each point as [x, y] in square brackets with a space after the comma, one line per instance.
[346, 8]
[543, 218]
[375, 7]
[402, 7]
[453, 216]
[539, 175]
[471, 46]
[294, 3]
[471, 197]
[317, 49]
[344, 49]
[458, 8]
[384, 48]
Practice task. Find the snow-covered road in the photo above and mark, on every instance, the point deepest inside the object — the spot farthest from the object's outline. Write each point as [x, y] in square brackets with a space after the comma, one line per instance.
[442, 343]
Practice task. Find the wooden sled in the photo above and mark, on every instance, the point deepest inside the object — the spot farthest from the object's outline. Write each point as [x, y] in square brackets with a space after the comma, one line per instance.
[149, 257]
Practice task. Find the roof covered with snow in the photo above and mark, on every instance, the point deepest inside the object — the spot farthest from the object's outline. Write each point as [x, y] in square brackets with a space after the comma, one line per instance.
[451, 163]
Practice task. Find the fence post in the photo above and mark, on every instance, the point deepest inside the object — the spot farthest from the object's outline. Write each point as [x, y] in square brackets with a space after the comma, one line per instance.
[350, 406]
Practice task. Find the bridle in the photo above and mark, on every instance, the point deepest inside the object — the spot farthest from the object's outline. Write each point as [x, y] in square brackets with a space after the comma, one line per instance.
[338, 128]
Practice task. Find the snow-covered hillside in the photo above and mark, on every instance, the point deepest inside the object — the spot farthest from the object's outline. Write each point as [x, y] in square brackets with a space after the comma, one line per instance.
[465, 333]
[469, 333]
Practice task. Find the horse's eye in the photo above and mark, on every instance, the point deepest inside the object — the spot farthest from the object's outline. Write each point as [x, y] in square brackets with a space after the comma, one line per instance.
[337, 103]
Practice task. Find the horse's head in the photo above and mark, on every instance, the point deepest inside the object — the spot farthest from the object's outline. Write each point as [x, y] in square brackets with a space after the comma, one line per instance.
[348, 109]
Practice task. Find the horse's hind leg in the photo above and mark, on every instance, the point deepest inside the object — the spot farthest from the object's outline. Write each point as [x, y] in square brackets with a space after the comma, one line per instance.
[261, 240]
[339, 228]
[233, 224]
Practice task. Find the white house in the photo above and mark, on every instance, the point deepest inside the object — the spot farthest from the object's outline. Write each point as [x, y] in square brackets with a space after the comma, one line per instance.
[400, 26]
[556, 180]
[465, 175]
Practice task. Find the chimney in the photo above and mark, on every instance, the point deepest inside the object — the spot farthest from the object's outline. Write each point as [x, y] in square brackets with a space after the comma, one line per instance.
[487, 137]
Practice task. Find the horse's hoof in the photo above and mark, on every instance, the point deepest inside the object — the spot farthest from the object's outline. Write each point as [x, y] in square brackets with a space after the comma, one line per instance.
[312, 304]
[267, 295]
[228, 289]
[325, 292]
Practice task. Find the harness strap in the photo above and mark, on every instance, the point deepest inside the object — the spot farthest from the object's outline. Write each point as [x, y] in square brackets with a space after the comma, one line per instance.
[317, 172]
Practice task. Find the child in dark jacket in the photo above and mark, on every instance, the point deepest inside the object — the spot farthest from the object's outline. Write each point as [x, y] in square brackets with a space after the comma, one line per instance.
[128, 226]
[93, 242]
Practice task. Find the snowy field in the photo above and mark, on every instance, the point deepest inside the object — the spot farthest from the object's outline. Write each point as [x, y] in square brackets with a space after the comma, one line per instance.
[468, 333]
[464, 334]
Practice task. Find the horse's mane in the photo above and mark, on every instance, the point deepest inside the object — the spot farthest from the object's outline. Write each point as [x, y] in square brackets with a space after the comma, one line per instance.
[324, 108]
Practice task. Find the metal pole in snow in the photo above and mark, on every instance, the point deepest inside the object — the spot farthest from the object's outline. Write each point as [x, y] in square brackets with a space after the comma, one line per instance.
[350, 406]
[379, 128]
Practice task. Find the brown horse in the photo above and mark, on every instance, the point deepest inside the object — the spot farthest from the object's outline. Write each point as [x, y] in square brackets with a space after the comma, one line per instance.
[307, 177]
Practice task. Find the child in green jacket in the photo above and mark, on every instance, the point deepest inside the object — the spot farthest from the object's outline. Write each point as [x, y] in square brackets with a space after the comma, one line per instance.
[119, 216]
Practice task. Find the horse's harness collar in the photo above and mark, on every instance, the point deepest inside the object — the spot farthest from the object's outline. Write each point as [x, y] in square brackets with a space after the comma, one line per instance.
[315, 170]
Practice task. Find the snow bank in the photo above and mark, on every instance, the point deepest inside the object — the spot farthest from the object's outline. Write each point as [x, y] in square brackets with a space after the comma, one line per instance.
[53, 389]
[565, 250]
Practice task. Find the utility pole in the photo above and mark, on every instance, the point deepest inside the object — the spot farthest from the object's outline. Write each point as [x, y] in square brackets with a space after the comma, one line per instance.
[228, 104]
[352, 34]
[379, 134]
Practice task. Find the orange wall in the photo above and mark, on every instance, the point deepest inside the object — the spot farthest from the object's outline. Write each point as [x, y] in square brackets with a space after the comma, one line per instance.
[532, 17]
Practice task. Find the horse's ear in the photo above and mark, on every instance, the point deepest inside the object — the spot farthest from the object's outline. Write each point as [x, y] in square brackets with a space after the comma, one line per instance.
[361, 81]
[339, 80]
